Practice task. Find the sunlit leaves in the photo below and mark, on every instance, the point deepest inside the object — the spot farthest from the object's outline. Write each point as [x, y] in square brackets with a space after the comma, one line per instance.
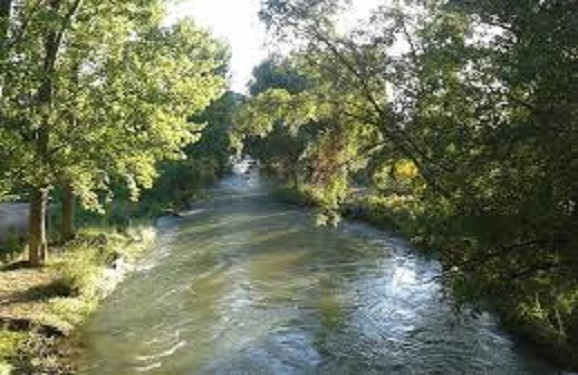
[279, 105]
[124, 86]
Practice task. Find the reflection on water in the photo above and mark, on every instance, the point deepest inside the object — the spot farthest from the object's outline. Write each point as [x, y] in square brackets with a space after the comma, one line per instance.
[244, 285]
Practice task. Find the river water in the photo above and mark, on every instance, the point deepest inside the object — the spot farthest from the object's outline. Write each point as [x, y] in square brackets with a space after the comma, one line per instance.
[247, 285]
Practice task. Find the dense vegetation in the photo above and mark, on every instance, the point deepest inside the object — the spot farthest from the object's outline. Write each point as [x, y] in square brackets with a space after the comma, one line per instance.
[94, 95]
[455, 121]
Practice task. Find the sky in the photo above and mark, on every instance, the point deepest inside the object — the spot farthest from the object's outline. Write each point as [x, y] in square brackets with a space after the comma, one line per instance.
[237, 22]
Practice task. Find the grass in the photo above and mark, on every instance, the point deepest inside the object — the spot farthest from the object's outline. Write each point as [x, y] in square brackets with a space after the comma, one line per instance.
[44, 305]
[84, 270]
[10, 342]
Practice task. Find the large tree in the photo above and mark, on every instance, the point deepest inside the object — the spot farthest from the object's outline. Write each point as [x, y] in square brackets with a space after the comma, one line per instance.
[96, 90]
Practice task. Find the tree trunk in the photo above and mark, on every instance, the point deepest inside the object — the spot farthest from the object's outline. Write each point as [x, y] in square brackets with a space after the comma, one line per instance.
[67, 228]
[37, 241]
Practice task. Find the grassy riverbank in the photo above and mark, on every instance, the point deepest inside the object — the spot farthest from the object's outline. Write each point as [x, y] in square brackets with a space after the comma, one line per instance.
[539, 308]
[40, 308]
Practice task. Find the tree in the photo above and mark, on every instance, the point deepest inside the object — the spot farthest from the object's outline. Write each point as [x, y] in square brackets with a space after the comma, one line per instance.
[110, 88]
[310, 135]
[150, 90]
[182, 181]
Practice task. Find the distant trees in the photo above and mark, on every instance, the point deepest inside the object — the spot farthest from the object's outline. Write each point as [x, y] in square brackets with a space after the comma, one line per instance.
[97, 90]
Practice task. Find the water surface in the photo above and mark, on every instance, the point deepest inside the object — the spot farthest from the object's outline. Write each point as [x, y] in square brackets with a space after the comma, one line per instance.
[246, 285]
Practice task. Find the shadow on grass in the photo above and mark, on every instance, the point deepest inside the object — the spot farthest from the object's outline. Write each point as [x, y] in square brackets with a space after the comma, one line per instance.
[38, 293]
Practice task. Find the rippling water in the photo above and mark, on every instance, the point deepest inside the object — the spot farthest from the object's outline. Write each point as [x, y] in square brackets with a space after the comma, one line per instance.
[245, 285]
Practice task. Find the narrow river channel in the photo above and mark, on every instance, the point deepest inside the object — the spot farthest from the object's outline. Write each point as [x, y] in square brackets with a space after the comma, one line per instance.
[247, 285]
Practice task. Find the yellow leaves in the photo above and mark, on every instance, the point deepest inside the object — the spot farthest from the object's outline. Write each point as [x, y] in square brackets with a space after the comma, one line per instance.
[399, 176]
[405, 170]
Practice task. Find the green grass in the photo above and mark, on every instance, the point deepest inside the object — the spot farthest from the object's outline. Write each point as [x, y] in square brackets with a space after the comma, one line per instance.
[84, 270]
[83, 277]
[10, 343]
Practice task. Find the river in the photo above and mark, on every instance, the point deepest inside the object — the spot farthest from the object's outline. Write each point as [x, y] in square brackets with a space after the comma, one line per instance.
[247, 285]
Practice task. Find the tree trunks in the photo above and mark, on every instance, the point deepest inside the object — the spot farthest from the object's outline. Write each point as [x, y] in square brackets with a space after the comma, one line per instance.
[67, 228]
[37, 239]
[67, 232]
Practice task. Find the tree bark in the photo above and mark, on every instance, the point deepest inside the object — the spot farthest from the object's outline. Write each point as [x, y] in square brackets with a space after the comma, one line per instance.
[67, 232]
[37, 241]
[53, 38]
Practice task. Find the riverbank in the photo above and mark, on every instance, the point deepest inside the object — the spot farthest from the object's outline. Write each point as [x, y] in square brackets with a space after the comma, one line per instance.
[536, 309]
[517, 304]
[40, 308]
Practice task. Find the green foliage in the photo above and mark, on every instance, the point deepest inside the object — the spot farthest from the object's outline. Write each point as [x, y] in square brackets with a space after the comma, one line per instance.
[215, 142]
[307, 136]
[274, 73]
[151, 89]
[10, 344]
[94, 93]
[181, 182]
